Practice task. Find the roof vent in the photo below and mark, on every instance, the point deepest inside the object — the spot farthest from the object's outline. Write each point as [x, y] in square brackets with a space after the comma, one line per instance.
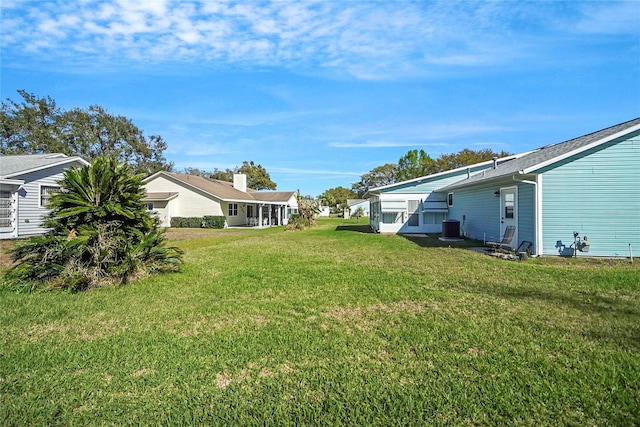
[495, 162]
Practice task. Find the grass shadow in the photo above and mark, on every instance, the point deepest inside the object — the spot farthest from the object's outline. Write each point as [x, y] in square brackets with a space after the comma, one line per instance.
[361, 228]
[433, 241]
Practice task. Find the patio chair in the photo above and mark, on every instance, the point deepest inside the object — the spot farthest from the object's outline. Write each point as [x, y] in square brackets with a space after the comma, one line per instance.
[505, 243]
[524, 250]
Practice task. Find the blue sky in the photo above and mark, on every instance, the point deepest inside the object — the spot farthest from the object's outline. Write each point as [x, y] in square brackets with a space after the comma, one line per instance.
[320, 92]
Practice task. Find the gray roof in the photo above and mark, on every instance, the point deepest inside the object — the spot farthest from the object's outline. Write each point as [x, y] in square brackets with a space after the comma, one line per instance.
[12, 166]
[537, 159]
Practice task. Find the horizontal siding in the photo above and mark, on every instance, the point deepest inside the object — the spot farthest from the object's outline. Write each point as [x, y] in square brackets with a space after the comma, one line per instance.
[598, 195]
[189, 203]
[480, 209]
[526, 214]
[30, 214]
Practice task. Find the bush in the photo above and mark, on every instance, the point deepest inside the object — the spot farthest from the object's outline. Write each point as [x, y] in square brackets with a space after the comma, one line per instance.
[190, 222]
[208, 221]
[213, 221]
[100, 233]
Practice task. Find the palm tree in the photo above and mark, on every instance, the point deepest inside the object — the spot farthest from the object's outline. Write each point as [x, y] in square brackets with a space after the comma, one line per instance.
[100, 233]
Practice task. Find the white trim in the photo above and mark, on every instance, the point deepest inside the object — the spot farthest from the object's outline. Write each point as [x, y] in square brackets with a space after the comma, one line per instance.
[16, 182]
[537, 209]
[449, 205]
[516, 214]
[580, 150]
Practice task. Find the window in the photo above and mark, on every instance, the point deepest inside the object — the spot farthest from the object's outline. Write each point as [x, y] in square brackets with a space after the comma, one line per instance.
[149, 206]
[449, 199]
[45, 194]
[393, 217]
[509, 204]
[414, 218]
[250, 211]
[233, 209]
[5, 208]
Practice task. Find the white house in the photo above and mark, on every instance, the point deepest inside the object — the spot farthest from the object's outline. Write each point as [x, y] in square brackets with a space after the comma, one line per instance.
[354, 204]
[172, 195]
[25, 184]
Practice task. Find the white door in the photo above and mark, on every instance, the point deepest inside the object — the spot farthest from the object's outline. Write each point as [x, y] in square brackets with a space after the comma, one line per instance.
[509, 211]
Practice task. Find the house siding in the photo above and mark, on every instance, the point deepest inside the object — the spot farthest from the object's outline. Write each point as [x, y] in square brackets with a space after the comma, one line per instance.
[190, 202]
[396, 199]
[526, 215]
[596, 194]
[30, 214]
[478, 211]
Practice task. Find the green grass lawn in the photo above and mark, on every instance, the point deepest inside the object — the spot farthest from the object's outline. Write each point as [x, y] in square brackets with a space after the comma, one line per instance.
[330, 326]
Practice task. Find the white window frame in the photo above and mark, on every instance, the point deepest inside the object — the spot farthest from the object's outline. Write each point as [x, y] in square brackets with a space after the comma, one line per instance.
[46, 196]
[150, 206]
[233, 209]
[449, 199]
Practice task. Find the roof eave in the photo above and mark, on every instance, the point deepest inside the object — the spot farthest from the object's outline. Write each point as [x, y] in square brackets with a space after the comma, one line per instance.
[601, 141]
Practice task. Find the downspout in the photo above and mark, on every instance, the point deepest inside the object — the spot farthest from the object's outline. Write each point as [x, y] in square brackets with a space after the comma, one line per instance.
[538, 220]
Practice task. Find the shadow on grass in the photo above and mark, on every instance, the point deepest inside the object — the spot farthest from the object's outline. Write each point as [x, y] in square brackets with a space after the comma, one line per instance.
[433, 241]
[361, 228]
[588, 303]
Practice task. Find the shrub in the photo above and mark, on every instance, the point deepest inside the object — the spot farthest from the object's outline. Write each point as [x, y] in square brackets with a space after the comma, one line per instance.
[100, 233]
[209, 221]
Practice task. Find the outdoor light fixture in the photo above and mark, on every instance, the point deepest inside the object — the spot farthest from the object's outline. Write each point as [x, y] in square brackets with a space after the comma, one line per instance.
[497, 193]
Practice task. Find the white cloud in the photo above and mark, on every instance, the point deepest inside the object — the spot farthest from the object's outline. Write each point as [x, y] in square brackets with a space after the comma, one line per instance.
[370, 40]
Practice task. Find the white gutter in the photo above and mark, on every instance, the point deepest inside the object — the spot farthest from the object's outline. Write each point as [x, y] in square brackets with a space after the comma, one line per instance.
[537, 212]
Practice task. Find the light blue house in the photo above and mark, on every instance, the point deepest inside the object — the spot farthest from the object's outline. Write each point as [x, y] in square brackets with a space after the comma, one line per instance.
[589, 185]
[415, 206]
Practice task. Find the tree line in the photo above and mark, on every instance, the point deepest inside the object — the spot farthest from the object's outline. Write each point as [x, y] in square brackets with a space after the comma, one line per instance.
[37, 125]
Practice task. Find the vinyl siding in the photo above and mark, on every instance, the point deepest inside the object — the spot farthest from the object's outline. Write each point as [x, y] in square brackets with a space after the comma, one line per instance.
[526, 214]
[597, 194]
[189, 202]
[480, 209]
[30, 213]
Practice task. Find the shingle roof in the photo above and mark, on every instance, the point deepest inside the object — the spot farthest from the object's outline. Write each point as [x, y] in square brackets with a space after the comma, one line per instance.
[225, 191]
[159, 196]
[534, 160]
[15, 165]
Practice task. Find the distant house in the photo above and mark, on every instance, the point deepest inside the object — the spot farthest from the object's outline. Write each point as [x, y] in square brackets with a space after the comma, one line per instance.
[180, 195]
[26, 182]
[325, 211]
[354, 204]
[589, 185]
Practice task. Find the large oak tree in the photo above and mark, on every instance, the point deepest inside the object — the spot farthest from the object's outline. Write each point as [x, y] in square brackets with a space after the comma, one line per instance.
[37, 125]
